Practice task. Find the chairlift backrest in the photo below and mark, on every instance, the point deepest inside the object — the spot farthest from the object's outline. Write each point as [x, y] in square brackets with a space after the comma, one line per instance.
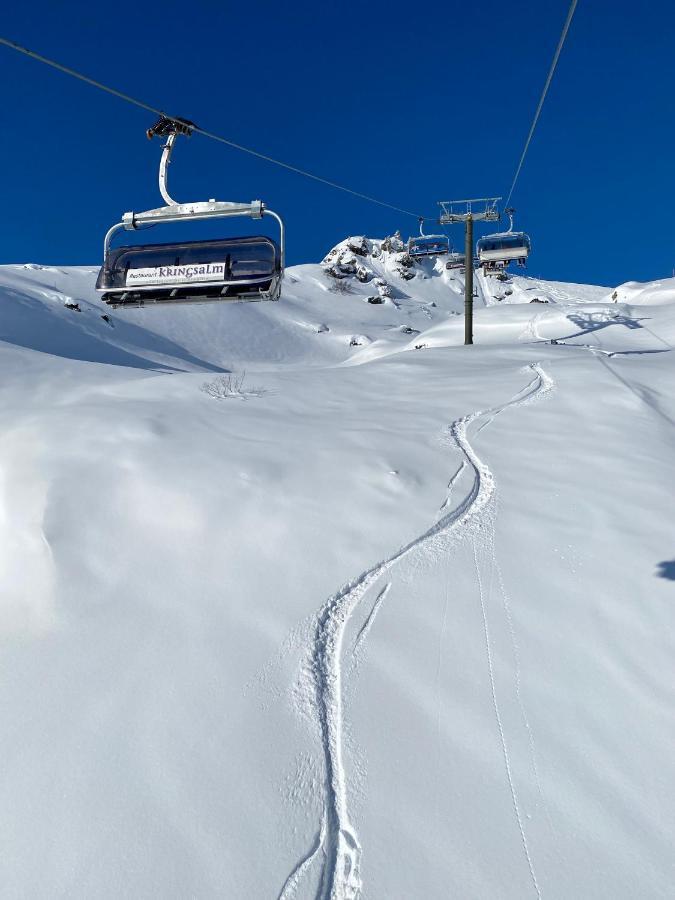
[428, 245]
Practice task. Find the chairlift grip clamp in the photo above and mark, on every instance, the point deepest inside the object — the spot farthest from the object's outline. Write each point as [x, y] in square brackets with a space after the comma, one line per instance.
[129, 221]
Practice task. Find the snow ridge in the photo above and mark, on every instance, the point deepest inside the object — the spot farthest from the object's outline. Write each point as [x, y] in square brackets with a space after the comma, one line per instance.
[341, 875]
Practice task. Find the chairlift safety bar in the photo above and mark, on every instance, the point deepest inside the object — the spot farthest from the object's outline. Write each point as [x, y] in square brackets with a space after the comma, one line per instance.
[210, 209]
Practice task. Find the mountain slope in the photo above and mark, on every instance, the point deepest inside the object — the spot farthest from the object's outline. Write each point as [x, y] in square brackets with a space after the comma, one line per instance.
[389, 617]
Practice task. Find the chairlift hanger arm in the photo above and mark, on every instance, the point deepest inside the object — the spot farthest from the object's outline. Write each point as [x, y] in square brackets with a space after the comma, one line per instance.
[163, 166]
[509, 212]
[174, 211]
[422, 220]
[169, 128]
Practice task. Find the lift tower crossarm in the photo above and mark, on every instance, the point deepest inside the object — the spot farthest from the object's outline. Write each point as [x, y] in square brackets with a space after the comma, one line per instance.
[465, 211]
[460, 210]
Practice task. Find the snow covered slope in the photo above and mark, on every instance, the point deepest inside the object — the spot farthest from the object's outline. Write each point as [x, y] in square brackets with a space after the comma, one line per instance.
[383, 617]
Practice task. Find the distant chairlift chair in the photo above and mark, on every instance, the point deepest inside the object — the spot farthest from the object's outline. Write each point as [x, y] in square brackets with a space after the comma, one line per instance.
[427, 244]
[497, 251]
[240, 268]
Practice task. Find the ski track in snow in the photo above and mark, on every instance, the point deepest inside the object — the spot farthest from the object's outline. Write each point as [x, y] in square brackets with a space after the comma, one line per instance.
[341, 875]
[451, 484]
[294, 879]
[557, 293]
[500, 725]
[368, 624]
[506, 604]
[439, 666]
[643, 394]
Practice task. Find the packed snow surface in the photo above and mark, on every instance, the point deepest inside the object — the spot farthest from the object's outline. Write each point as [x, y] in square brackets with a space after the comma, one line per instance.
[308, 600]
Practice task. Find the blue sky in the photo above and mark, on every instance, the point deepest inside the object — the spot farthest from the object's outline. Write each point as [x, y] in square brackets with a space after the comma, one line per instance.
[407, 102]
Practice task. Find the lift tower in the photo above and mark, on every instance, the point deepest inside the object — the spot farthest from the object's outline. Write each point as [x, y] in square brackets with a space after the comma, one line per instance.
[482, 209]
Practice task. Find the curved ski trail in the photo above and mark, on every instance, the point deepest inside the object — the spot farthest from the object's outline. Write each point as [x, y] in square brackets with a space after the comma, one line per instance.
[338, 838]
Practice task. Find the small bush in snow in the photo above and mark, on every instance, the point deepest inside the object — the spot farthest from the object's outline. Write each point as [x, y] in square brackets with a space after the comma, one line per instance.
[231, 385]
[339, 284]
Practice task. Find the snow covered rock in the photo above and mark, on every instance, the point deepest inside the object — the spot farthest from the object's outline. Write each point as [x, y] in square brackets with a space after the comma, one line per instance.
[347, 249]
[359, 340]
[404, 265]
[653, 293]
[363, 274]
[383, 288]
[343, 260]
[393, 243]
[348, 259]
[360, 246]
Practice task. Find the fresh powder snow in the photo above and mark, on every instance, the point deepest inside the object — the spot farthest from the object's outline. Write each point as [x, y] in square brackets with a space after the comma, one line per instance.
[307, 600]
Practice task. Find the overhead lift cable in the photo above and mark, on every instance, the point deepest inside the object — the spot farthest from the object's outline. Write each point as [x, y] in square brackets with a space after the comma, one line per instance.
[214, 137]
[556, 56]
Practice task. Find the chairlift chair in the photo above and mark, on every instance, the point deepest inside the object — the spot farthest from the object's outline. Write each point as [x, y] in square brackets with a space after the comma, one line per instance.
[239, 268]
[497, 251]
[455, 260]
[428, 244]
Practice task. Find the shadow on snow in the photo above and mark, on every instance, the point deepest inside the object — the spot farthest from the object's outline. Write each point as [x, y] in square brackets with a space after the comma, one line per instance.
[666, 570]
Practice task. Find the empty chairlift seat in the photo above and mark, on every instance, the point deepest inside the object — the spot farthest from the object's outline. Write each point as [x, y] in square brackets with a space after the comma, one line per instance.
[239, 268]
[429, 245]
[242, 268]
[496, 251]
[455, 260]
